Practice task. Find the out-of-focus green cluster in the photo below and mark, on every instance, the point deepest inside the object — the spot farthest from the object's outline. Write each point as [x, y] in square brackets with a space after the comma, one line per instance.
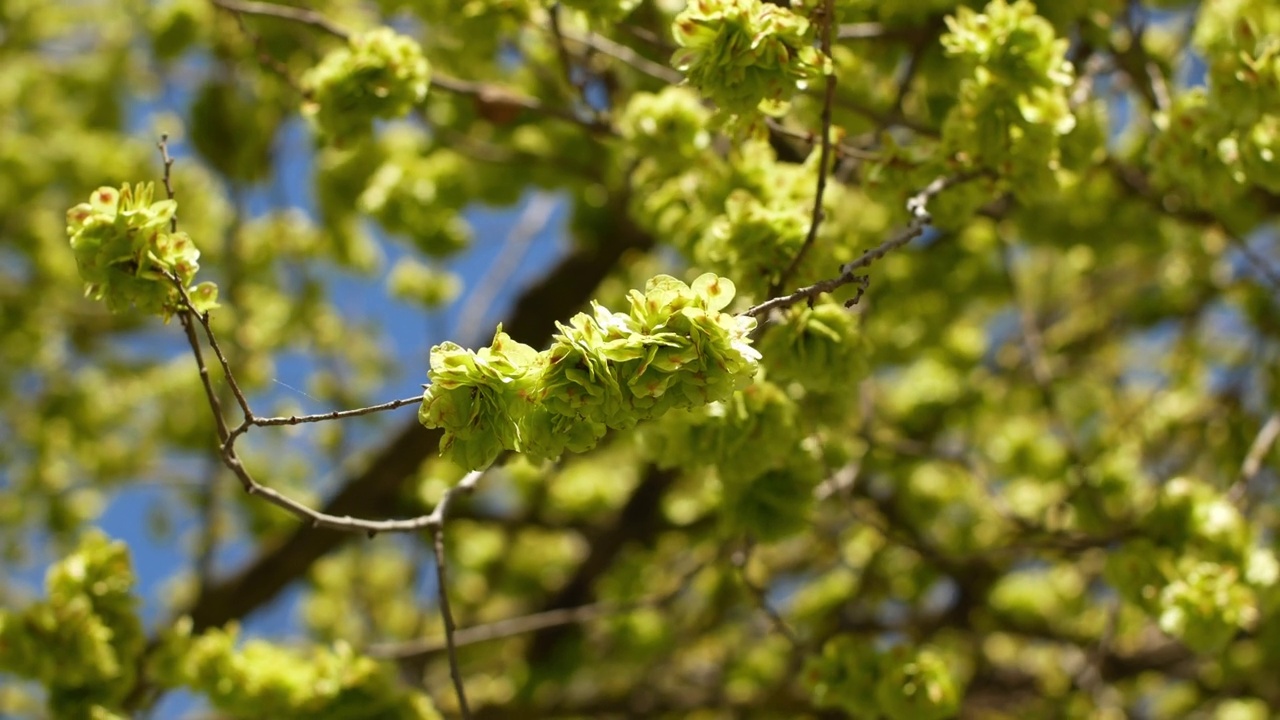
[754, 431]
[1217, 141]
[816, 346]
[673, 350]
[746, 55]
[380, 74]
[126, 251]
[1012, 107]
[668, 128]
[1240, 42]
[418, 196]
[753, 440]
[1196, 568]
[904, 683]
[262, 680]
[84, 641]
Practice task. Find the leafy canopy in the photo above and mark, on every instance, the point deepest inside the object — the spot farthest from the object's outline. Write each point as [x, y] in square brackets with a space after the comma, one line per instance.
[897, 359]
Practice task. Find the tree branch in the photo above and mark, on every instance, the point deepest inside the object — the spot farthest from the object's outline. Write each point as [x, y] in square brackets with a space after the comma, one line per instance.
[917, 206]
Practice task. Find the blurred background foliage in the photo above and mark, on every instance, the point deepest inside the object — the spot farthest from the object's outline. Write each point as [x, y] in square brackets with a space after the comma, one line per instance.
[1031, 473]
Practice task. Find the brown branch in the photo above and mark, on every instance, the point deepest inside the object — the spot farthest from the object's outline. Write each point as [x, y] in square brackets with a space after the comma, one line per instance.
[1252, 465]
[917, 206]
[740, 559]
[442, 591]
[626, 55]
[375, 488]
[562, 52]
[824, 159]
[336, 414]
[497, 96]
[163, 146]
[499, 630]
[284, 12]
[637, 523]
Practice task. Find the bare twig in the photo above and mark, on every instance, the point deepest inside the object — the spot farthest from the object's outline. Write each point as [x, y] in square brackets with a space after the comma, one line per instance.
[1256, 261]
[499, 630]
[841, 150]
[626, 55]
[861, 31]
[740, 560]
[265, 58]
[163, 146]
[824, 159]
[917, 205]
[1252, 465]
[442, 591]
[562, 52]
[314, 517]
[219, 421]
[283, 12]
[336, 414]
[227, 437]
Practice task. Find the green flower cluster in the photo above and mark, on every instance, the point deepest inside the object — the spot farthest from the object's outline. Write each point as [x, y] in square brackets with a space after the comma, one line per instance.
[673, 350]
[1013, 104]
[746, 55]
[126, 252]
[745, 215]
[261, 680]
[900, 684]
[816, 346]
[381, 74]
[84, 641]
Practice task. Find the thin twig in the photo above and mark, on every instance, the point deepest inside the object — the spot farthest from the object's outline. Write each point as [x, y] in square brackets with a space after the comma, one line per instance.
[284, 12]
[740, 560]
[253, 487]
[841, 150]
[163, 146]
[498, 96]
[562, 52]
[1256, 261]
[861, 31]
[824, 159]
[917, 206]
[524, 624]
[626, 55]
[203, 318]
[265, 58]
[1252, 465]
[442, 590]
[219, 421]
[336, 414]
[499, 630]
